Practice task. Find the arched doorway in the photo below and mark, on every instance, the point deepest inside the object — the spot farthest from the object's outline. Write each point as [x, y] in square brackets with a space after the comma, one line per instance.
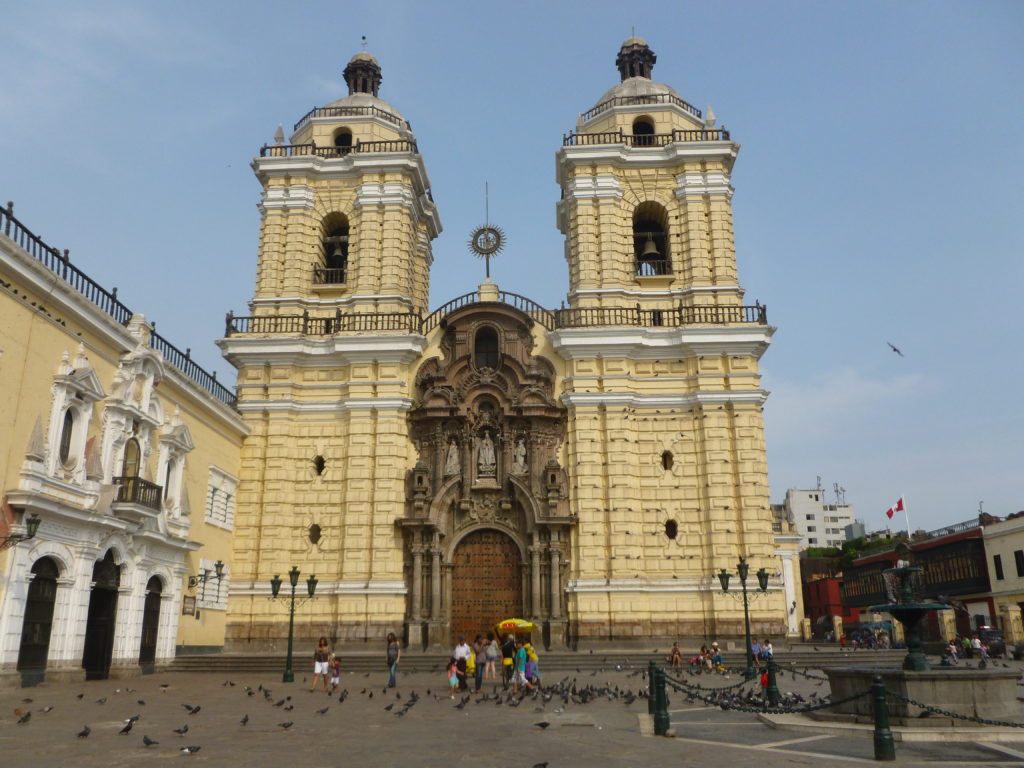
[486, 582]
[38, 623]
[150, 625]
[99, 631]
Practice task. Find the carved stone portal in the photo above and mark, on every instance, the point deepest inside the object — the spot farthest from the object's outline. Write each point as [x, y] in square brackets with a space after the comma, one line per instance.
[488, 430]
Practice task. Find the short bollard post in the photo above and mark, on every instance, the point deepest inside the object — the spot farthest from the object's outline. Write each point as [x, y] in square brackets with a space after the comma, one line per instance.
[885, 749]
[773, 687]
[651, 667]
[660, 704]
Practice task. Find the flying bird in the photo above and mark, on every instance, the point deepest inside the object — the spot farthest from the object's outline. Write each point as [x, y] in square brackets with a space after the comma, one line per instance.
[894, 349]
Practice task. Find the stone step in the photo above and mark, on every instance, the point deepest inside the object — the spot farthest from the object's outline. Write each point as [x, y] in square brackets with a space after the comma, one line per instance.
[554, 661]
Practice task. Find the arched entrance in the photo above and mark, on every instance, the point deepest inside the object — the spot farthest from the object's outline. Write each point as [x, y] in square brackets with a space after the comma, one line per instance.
[99, 631]
[35, 629]
[150, 624]
[487, 584]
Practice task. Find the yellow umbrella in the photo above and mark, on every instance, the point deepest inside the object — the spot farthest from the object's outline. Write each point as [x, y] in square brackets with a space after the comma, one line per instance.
[515, 626]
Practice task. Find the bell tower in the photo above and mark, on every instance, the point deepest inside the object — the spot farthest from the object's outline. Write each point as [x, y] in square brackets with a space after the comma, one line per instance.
[646, 199]
[324, 362]
[348, 218]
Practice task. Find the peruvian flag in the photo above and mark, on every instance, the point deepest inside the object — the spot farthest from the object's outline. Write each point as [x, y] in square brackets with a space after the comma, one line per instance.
[897, 507]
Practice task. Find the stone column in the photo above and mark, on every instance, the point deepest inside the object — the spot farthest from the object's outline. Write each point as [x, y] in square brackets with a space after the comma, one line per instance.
[535, 592]
[435, 585]
[417, 583]
[556, 587]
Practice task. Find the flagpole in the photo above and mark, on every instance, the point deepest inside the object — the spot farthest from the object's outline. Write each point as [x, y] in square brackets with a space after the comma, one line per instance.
[906, 513]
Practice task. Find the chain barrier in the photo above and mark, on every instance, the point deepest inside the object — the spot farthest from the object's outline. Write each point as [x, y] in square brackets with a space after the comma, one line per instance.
[954, 715]
[808, 675]
[682, 687]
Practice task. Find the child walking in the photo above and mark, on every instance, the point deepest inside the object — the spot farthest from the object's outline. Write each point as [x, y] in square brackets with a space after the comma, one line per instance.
[335, 665]
[453, 676]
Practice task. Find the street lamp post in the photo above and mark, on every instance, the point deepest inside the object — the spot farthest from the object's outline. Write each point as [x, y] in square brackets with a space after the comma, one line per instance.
[31, 523]
[743, 570]
[275, 588]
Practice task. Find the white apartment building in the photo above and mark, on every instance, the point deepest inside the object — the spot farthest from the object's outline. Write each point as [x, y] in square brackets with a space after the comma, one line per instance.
[819, 523]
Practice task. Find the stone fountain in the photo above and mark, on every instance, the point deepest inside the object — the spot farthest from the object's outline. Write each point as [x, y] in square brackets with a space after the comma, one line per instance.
[986, 693]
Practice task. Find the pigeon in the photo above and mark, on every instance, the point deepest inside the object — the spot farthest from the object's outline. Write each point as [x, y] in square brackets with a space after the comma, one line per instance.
[322, 711]
[186, 706]
[543, 724]
[44, 710]
[24, 718]
[894, 349]
[132, 719]
[286, 725]
[84, 733]
[148, 741]
[26, 701]
[142, 703]
[250, 692]
[280, 703]
[194, 710]
[182, 731]
[127, 727]
[244, 720]
[289, 708]
[189, 750]
[541, 765]
[79, 696]
[102, 701]
[392, 704]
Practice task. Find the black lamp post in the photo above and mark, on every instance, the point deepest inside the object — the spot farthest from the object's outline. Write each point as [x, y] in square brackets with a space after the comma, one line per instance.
[31, 526]
[743, 570]
[202, 578]
[275, 588]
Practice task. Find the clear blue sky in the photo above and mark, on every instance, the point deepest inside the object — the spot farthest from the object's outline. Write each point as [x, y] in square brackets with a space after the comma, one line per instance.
[878, 189]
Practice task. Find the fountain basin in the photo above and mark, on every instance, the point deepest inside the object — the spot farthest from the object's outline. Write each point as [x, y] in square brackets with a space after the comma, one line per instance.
[985, 693]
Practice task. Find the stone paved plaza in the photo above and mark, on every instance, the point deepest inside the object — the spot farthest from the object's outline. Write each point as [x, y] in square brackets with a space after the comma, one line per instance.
[360, 732]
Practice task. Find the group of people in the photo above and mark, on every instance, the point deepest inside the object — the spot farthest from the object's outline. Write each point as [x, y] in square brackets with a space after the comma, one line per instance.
[711, 659]
[326, 666]
[519, 663]
[967, 647]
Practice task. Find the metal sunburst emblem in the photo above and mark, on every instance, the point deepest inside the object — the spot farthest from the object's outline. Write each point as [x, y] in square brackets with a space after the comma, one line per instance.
[486, 241]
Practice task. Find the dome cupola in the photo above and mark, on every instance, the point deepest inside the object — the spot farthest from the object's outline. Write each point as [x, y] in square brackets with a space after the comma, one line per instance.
[635, 59]
[363, 74]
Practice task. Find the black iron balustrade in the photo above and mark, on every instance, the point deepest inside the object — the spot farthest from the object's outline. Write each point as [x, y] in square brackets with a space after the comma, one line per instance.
[644, 139]
[329, 275]
[411, 322]
[135, 490]
[653, 267]
[628, 101]
[360, 147]
[351, 112]
[59, 262]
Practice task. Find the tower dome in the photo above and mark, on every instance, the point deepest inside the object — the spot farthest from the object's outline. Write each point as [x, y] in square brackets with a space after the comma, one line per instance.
[635, 59]
[363, 74]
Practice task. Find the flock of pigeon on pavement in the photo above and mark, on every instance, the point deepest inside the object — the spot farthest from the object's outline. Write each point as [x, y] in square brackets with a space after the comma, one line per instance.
[567, 692]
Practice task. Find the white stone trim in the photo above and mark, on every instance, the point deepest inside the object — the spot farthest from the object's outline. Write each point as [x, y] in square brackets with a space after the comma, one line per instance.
[663, 294]
[602, 186]
[346, 405]
[242, 351]
[341, 302]
[624, 156]
[325, 588]
[642, 401]
[580, 586]
[297, 197]
[698, 183]
[221, 494]
[661, 343]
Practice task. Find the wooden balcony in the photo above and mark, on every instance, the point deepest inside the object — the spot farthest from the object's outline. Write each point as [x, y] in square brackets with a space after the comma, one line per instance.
[136, 498]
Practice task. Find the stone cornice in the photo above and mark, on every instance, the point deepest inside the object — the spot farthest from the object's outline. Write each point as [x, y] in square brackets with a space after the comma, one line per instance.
[643, 400]
[243, 351]
[345, 405]
[623, 156]
[658, 343]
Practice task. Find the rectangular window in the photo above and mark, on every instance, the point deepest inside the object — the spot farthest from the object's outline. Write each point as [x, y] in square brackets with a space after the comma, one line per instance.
[1018, 557]
[212, 594]
[812, 541]
[809, 517]
[997, 560]
[220, 499]
[812, 528]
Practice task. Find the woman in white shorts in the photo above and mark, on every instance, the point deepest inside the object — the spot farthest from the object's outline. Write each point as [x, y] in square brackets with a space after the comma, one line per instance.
[321, 663]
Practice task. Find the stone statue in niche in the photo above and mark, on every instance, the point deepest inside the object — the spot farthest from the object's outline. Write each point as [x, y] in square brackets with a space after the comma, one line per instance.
[485, 457]
[519, 458]
[451, 464]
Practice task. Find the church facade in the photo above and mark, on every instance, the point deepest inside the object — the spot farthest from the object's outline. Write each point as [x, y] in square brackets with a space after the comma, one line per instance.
[591, 468]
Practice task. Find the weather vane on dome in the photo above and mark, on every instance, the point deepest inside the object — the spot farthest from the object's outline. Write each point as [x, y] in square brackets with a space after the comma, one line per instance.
[364, 42]
[488, 240]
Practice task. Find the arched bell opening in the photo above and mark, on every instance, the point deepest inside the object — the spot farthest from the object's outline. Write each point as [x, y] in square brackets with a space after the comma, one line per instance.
[335, 244]
[651, 241]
